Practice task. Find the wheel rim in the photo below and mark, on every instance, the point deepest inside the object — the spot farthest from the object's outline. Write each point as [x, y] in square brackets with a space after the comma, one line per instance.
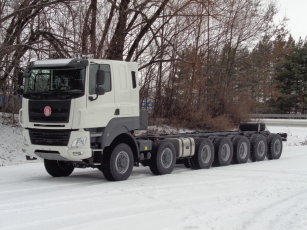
[277, 147]
[225, 154]
[205, 154]
[166, 158]
[261, 148]
[122, 162]
[243, 150]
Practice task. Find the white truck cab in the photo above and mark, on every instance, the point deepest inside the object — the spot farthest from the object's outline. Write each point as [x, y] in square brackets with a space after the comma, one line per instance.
[62, 114]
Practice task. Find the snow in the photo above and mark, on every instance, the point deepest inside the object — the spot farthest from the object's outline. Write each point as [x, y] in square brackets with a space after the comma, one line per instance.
[10, 142]
[261, 195]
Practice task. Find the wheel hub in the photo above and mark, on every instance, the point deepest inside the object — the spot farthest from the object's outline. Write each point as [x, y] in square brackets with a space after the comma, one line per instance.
[225, 154]
[166, 158]
[122, 162]
[261, 148]
[277, 147]
[243, 150]
[205, 154]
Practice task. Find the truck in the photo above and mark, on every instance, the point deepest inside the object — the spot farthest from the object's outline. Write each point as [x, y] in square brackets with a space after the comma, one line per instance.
[84, 112]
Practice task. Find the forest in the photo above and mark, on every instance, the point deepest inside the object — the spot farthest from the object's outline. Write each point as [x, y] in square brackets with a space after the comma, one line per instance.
[202, 63]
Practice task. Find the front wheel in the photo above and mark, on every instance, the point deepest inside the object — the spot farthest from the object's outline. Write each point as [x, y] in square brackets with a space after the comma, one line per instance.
[58, 168]
[163, 158]
[117, 163]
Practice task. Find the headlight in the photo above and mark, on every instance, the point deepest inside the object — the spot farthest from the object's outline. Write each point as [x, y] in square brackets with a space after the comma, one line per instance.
[79, 142]
[25, 141]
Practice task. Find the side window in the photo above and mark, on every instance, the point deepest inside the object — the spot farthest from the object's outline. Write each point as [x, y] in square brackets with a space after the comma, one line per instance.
[92, 78]
[133, 79]
[107, 81]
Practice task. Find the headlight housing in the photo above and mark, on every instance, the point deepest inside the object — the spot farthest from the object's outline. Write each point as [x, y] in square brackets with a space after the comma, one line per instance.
[79, 142]
[25, 141]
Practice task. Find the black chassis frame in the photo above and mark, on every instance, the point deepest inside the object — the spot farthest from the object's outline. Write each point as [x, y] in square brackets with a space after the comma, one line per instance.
[154, 137]
[247, 134]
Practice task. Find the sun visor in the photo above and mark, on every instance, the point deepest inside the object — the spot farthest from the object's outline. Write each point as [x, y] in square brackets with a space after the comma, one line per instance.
[57, 63]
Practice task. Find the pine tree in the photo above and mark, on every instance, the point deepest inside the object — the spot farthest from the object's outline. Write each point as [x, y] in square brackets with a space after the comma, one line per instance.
[291, 80]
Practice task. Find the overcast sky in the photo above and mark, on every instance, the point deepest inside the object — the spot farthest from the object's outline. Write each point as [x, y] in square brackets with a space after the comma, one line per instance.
[296, 12]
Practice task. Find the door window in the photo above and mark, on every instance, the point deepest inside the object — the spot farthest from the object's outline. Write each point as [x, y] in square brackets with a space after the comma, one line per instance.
[92, 78]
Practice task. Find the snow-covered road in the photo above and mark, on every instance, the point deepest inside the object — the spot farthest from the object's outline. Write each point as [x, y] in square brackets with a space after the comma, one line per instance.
[262, 195]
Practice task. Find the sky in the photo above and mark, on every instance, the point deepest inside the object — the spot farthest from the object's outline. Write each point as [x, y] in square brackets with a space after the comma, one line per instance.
[296, 12]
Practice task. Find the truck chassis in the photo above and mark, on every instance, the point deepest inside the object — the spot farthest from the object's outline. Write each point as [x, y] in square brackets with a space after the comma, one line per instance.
[196, 150]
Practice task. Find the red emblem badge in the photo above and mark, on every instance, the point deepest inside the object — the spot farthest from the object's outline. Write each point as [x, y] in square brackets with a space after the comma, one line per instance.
[47, 111]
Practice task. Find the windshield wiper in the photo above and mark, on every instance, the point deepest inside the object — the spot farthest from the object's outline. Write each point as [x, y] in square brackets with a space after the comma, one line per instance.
[64, 96]
[36, 96]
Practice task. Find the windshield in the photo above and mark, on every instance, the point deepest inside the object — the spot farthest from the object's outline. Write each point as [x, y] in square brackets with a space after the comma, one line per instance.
[55, 81]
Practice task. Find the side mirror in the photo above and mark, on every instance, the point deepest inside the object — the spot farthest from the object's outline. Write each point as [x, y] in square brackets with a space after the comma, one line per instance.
[100, 91]
[21, 76]
[20, 91]
[100, 77]
[20, 79]
[26, 75]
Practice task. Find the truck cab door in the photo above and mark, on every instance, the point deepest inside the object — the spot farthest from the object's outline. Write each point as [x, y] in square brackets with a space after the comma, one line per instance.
[103, 109]
[123, 91]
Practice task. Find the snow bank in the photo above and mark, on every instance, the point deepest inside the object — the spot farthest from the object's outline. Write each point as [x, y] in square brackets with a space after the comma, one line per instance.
[10, 143]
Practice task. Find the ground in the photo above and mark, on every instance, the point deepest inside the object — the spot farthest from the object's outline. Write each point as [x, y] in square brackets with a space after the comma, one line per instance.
[261, 195]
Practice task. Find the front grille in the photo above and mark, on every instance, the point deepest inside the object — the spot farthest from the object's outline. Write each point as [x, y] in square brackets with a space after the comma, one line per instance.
[59, 111]
[49, 137]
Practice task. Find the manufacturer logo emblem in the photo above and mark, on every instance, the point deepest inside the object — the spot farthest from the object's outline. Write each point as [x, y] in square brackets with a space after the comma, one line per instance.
[47, 111]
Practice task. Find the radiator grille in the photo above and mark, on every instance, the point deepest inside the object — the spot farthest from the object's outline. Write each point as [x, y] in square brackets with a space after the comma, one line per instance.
[59, 111]
[49, 137]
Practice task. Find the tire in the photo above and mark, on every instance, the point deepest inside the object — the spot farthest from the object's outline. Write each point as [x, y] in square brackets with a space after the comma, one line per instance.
[212, 138]
[259, 147]
[117, 162]
[186, 162]
[241, 150]
[231, 137]
[58, 168]
[163, 158]
[274, 146]
[145, 162]
[204, 154]
[252, 126]
[223, 151]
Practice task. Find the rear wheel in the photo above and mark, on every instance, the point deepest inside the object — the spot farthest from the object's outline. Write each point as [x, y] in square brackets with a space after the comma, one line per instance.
[58, 168]
[274, 146]
[223, 151]
[241, 150]
[163, 158]
[204, 154]
[117, 162]
[258, 148]
[186, 162]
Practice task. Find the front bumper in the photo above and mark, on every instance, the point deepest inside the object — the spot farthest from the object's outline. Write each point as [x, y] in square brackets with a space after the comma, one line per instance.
[59, 152]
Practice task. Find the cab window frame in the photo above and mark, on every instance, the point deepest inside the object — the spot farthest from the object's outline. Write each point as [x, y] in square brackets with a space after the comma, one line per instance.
[107, 78]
